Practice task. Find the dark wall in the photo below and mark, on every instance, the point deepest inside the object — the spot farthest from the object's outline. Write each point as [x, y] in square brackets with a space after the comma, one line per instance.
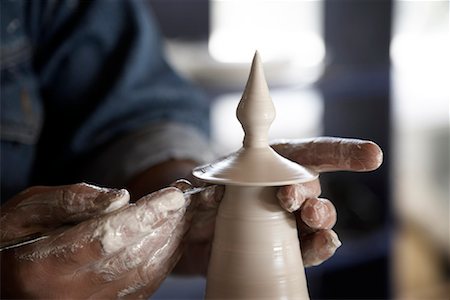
[356, 91]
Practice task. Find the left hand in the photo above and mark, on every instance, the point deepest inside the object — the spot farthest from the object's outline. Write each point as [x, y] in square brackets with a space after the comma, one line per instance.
[98, 245]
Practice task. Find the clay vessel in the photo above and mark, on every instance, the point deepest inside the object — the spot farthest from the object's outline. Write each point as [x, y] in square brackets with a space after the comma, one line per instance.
[256, 251]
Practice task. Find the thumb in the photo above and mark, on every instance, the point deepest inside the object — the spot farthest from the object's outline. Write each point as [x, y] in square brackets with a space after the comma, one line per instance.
[325, 154]
[43, 208]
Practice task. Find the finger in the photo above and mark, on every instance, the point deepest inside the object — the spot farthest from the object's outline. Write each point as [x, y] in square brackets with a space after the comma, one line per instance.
[291, 197]
[49, 207]
[205, 204]
[333, 154]
[208, 198]
[182, 184]
[153, 278]
[97, 238]
[317, 247]
[147, 277]
[126, 270]
[318, 213]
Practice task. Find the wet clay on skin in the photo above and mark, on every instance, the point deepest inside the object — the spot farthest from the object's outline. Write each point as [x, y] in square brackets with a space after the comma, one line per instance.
[256, 251]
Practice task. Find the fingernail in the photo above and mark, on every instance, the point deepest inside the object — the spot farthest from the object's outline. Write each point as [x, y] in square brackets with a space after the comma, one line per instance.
[182, 184]
[118, 200]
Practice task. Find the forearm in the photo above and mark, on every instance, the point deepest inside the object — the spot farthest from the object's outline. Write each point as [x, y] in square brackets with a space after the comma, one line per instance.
[148, 160]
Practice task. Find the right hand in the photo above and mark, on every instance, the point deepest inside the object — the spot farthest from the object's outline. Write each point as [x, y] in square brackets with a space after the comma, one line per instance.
[99, 244]
[315, 216]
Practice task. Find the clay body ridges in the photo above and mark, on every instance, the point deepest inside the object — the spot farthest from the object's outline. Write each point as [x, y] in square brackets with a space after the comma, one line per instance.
[256, 252]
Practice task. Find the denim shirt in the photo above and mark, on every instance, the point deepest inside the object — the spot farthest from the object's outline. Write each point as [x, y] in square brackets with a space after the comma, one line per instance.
[87, 95]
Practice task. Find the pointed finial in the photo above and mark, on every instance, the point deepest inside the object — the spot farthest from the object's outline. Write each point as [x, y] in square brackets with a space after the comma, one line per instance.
[256, 111]
[256, 163]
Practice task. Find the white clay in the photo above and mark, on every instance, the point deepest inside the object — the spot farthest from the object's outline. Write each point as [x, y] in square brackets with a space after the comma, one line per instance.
[255, 164]
[131, 231]
[256, 251]
[122, 199]
[122, 230]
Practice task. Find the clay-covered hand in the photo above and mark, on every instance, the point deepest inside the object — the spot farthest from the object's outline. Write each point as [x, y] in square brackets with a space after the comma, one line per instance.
[99, 245]
[195, 258]
[316, 216]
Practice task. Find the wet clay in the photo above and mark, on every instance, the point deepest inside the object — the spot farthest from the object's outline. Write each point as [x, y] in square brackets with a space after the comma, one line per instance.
[256, 251]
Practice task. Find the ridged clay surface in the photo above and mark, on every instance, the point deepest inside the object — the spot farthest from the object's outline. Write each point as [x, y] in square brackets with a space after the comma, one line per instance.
[256, 251]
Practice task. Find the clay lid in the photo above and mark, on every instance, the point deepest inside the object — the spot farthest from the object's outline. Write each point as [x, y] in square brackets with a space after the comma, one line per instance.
[255, 164]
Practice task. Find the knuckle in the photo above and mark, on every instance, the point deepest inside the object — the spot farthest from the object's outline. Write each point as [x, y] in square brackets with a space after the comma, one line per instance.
[65, 197]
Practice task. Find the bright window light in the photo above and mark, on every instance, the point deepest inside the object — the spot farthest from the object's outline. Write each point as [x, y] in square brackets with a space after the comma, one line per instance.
[420, 57]
[281, 30]
[298, 115]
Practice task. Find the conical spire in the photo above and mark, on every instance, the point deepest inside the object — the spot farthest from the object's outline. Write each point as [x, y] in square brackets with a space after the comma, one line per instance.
[255, 110]
[256, 163]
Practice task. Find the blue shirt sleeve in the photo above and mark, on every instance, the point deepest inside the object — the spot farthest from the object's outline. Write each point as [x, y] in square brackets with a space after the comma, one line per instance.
[102, 75]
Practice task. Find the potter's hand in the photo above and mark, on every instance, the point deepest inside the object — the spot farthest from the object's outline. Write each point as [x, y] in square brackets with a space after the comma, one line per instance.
[199, 239]
[194, 260]
[316, 216]
[99, 245]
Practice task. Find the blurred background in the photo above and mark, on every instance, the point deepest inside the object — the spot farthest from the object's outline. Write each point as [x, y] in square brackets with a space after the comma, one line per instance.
[371, 69]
